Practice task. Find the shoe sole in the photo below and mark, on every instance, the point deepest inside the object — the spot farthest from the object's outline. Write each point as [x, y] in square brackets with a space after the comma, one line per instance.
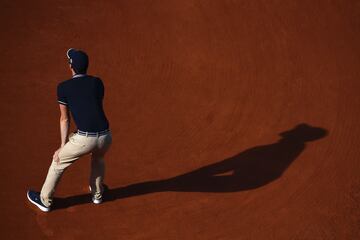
[44, 209]
[97, 201]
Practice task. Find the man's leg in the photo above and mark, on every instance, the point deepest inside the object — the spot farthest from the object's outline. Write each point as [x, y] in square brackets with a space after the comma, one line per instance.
[97, 175]
[76, 147]
[98, 166]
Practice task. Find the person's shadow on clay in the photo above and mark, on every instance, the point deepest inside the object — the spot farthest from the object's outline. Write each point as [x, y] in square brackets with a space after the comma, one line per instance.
[250, 169]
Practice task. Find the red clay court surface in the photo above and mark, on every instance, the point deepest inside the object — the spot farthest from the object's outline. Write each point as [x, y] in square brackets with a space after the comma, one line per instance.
[230, 119]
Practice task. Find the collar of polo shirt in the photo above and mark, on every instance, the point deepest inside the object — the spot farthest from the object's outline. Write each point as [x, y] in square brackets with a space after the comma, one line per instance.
[78, 75]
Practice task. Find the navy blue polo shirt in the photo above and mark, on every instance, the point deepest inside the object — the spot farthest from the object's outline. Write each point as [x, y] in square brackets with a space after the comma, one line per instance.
[83, 94]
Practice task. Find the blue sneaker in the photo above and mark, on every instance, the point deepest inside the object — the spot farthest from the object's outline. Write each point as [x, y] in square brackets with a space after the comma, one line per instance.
[34, 198]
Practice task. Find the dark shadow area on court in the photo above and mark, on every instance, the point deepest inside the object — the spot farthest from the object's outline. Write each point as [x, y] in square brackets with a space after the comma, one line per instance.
[250, 169]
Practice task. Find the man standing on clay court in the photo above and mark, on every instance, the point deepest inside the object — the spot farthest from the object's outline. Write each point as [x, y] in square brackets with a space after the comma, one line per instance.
[82, 95]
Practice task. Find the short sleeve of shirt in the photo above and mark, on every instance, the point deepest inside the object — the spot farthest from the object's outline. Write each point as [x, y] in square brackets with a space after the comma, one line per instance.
[100, 87]
[61, 95]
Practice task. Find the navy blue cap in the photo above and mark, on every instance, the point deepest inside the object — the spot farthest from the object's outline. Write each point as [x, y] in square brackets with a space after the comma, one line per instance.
[78, 59]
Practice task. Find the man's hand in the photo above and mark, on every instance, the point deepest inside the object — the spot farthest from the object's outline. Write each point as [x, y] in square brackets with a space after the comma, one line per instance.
[56, 156]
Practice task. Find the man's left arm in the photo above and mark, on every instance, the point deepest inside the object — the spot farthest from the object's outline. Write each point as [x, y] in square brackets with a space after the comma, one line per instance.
[64, 128]
[64, 123]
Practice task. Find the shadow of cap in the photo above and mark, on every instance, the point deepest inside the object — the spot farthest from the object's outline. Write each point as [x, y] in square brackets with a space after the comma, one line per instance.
[304, 133]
